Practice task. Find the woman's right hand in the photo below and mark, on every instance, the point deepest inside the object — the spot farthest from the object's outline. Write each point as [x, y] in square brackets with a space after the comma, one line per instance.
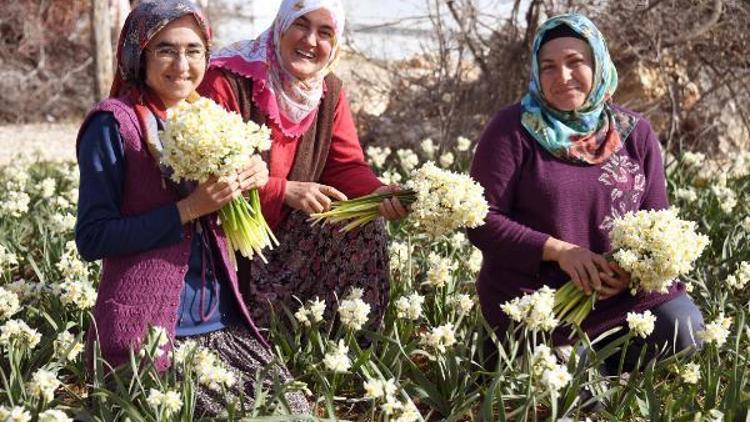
[208, 197]
[582, 265]
[311, 197]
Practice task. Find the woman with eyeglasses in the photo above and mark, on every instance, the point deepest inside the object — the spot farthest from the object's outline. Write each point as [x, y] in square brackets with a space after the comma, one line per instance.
[164, 258]
[283, 79]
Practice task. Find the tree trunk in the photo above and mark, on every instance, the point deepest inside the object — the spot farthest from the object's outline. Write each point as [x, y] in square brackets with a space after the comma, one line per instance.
[102, 46]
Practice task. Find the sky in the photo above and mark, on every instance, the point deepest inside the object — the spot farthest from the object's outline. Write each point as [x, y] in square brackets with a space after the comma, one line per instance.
[365, 20]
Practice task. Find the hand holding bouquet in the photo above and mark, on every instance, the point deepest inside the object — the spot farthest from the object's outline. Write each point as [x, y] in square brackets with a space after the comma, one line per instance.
[654, 247]
[441, 201]
[202, 140]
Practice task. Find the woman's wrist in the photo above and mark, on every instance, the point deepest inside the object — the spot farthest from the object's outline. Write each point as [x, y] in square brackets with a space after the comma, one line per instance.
[552, 249]
[187, 211]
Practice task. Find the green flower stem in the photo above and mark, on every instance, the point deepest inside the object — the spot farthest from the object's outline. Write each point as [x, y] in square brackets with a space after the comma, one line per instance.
[572, 305]
[360, 210]
[245, 228]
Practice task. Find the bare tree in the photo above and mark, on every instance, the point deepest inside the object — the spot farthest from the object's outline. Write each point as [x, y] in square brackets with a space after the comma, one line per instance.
[102, 47]
[684, 63]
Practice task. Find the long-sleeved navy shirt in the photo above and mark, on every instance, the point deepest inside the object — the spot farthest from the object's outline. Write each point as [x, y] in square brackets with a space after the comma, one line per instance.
[102, 231]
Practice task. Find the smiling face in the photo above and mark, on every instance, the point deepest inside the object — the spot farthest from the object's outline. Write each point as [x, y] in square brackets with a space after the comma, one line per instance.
[176, 60]
[566, 72]
[305, 47]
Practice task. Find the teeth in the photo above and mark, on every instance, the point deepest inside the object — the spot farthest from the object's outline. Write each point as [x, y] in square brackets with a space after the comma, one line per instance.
[305, 54]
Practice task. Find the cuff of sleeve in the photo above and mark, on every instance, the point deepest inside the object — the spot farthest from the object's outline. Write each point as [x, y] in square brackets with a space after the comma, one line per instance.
[272, 196]
[171, 216]
[366, 183]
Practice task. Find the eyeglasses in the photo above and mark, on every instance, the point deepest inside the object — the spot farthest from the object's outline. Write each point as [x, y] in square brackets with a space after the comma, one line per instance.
[166, 54]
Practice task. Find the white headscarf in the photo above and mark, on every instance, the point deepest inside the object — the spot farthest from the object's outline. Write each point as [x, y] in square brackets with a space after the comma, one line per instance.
[296, 99]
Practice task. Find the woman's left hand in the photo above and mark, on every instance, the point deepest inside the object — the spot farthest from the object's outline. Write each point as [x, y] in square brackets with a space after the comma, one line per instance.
[391, 208]
[254, 175]
[613, 285]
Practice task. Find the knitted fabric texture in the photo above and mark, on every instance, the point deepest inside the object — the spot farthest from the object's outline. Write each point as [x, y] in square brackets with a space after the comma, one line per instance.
[143, 289]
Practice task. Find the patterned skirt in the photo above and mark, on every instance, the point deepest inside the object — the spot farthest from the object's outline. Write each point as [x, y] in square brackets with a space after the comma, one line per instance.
[244, 356]
[317, 261]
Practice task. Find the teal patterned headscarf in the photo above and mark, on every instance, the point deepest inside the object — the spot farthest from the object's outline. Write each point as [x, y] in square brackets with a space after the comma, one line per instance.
[591, 133]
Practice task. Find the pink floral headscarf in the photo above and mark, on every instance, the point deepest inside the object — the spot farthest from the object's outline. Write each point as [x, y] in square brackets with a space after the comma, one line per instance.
[290, 102]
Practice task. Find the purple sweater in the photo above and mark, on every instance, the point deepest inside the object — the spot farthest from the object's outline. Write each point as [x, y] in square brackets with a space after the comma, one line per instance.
[143, 288]
[533, 195]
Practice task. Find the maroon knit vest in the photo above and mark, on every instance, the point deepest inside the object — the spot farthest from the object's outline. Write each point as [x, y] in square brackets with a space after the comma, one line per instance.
[144, 288]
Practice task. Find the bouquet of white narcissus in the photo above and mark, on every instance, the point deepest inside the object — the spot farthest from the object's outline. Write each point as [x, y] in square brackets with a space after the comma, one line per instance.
[440, 200]
[654, 247]
[200, 140]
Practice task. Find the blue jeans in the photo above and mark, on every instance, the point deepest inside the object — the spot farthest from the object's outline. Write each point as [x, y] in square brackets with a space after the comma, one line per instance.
[677, 325]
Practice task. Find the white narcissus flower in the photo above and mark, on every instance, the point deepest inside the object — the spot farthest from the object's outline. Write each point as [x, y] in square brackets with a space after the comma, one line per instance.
[353, 311]
[380, 389]
[746, 225]
[687, 194]
[408, 413]
[547, 372]
[399, 253]
[377, 156]
[160, 337]
[429, 148]
[47, 187]
[556, 378]
[655, 247]
[408, 159]
[691, 373]
[72, 194]
[172, 402]
[62, 204]
[446, 160]
[445, 201]
[641, 324]
[441, 337]
[458, 240]
[317, 309]
[311, 313]
[80, 294]
[410, 307]
[19, 332]
[542, 360]
[739, 279]
[7, 259]
[535, 310]
[301, 316]
[390, 177]
[54, 415]
[475, 260]
[337, 360]
[464, 303]
[183, 350]
[71, 267]
[373, 389]
[390, 407]
[9, 304]
[62, 223]
[726, 197]
[203, 139]
[155, 398]
[717, 331]
[693, 159]
[43, 385]
[15, 414]
[463, 144]
[211, 371]
[440, 269]
[15, 204]
[67, 347]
